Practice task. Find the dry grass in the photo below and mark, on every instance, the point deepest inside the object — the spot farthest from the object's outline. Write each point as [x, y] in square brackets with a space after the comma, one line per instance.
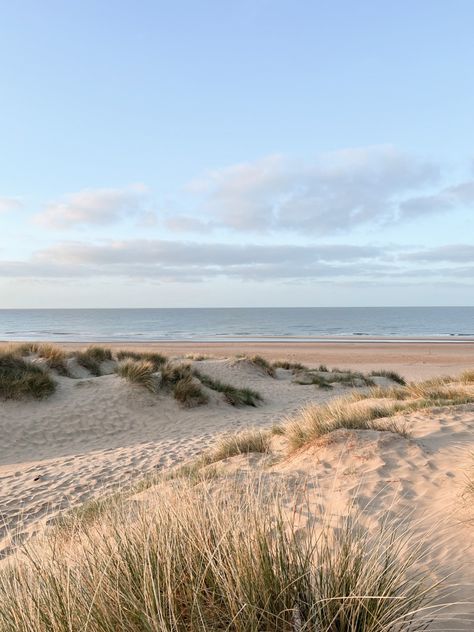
[289, 366]
[55, 357]
[203, 561]
[434, 392]
[260, 363]
[139, 372]
[189, 393]
[20, 379]
[157, 359]
[92, 357]
[467, 377]
[390, 375]
[233, 395]
[171, 373]
[315, 421]
[245, 442]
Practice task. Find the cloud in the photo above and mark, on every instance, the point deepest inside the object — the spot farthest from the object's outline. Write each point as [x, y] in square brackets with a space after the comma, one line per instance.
[453, 253]
[453, 197]
[96, 207]
[334, 193]
[181, 261]
[9, 204]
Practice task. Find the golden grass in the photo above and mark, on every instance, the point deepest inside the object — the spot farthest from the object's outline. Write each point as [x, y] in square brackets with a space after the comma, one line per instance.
[206, 561]
[157, 359]
[139, 372]
[92, 357]
[315, 421]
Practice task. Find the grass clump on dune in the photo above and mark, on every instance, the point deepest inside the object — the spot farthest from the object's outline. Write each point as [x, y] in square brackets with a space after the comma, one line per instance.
[233, 395]
[20, 379]
[139, 372]
[390, 375]
[289, 366]
[158, 359]
[259, 362]
[55, 357]
[92, 357]
[467, 377]
[202, 561]
[434, 392]
[315, 421]
[189, 393]
[245, 442]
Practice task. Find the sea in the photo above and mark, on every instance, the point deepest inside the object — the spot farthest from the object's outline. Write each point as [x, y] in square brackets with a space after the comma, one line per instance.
[234, 324]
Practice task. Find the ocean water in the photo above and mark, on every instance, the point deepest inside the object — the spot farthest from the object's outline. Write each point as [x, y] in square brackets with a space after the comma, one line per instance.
[223, 324]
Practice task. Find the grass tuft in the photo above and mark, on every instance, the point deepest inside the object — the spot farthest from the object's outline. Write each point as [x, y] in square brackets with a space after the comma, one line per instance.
[158, 359]
[251, 440]
[233, 395]
[189, 393]
[467, 377]
[259, 362]
[20, 379]
[139, 372]
[92, 357]
[289, 366]
[315, 421]
[207, 561]
[390, 375]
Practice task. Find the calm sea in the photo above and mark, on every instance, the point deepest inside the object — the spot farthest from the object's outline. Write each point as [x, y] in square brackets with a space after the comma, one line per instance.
[222, 324]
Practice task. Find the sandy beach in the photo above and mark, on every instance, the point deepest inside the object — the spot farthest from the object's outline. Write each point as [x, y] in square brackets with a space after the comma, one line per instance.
[96, 435]
[414, 360]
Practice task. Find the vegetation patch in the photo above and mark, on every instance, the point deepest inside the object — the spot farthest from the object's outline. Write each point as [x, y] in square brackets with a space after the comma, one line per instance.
[259, 362]
[189, 393]
[20, 379]
[233, 395]
[315, 421]
[92, 357]
[157, 359]
[139, 372]
[390, 375]
[202, 561]
[245, 442]
[289, 366]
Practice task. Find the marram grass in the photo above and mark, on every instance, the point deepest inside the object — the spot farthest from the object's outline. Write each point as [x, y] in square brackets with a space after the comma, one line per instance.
[199, 560]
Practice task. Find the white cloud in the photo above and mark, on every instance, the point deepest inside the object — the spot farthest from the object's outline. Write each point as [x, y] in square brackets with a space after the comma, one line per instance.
[335, 193]
[9, 204]
[96, 207]
[172, 261]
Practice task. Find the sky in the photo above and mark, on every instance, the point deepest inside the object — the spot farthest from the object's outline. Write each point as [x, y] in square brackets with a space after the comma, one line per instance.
[236, 153]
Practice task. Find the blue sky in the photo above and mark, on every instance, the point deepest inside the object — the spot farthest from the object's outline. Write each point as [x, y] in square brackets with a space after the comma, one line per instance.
[236, 153]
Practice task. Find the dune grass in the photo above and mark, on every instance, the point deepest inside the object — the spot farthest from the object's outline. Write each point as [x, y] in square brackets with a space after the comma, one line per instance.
[233, 395]
[390, 375]
[139, 372]
[434, 392]
[54, 356]
[20, 379]
[189, 393]
[244, 442]
[289, 366]
[157, 359]
[315, 421]
[259, 362]
[467, 377]
[203, 561]
[92, 357]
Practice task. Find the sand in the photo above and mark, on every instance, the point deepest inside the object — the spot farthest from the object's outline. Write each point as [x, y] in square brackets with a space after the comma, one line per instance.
[414, 360]
[96, 435]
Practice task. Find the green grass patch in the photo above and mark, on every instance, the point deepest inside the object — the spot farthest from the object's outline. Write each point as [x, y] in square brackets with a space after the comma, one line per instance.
[20, 379]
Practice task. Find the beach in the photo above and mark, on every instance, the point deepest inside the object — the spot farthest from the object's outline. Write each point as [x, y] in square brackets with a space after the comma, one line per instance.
[101, 433]
[414, 360]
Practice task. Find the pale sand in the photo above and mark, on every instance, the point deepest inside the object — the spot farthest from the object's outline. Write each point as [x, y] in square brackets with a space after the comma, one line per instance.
[416, 361]
[96, 434]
